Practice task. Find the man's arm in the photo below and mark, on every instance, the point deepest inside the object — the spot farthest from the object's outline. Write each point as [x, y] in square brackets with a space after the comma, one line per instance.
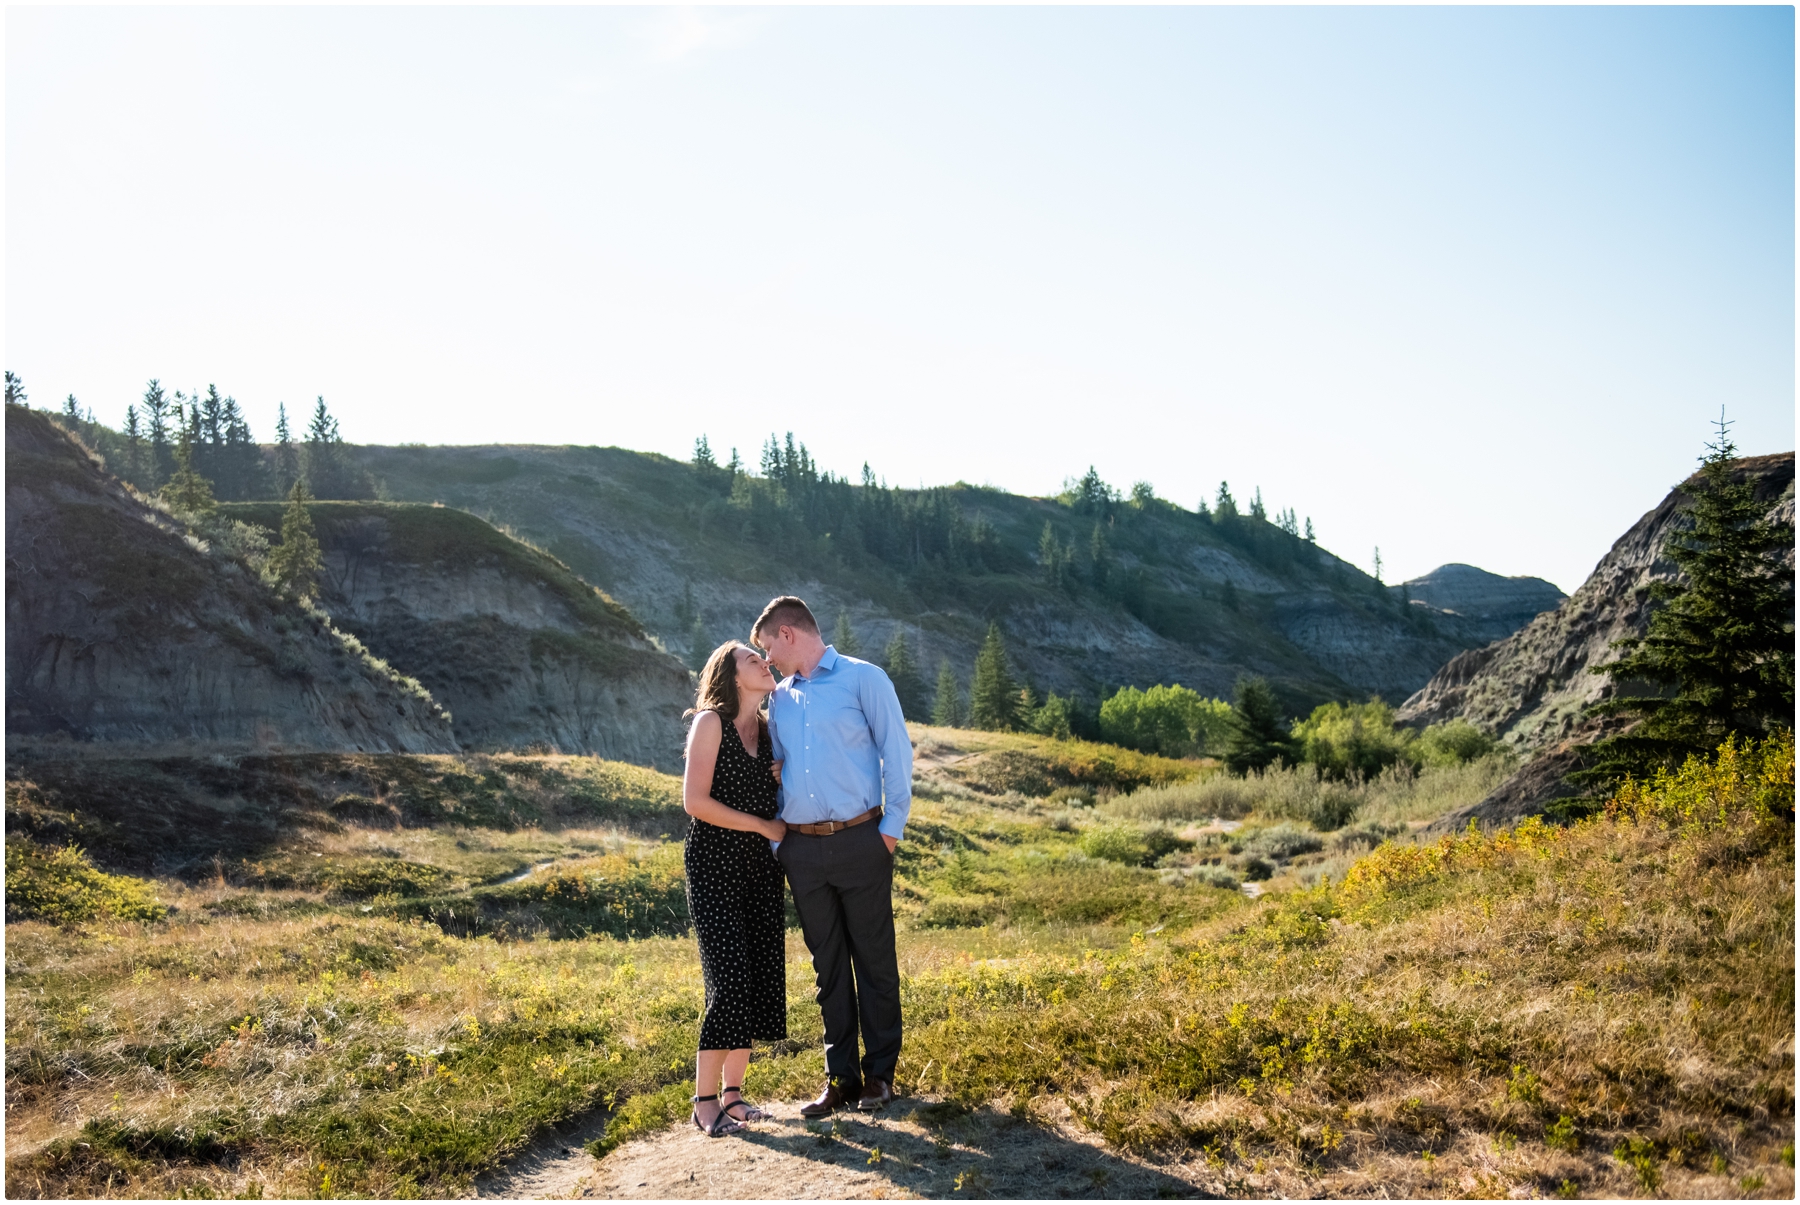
[887, 724]
[780, 754]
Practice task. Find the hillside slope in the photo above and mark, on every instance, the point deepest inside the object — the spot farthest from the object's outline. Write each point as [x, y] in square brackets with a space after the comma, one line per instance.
[119, 627]
[1191, 600]
[521, 651]
[1529, 689]
[1482, 606]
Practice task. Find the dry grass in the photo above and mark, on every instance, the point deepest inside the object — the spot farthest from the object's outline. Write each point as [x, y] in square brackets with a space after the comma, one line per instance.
[1486, 1016]
[1398, 795]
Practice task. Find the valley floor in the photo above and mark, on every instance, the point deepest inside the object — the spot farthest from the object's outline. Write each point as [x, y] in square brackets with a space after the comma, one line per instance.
[441, 976]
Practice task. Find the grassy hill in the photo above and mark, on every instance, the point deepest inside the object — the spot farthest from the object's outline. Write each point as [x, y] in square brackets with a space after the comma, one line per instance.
[349, 975]
[1178, 597]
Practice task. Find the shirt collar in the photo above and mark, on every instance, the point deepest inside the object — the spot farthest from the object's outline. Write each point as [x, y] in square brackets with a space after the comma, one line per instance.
[825, 664]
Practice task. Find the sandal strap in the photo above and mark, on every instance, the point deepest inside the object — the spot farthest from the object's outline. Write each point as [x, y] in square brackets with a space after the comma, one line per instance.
[701, 1098]
[732, 1088]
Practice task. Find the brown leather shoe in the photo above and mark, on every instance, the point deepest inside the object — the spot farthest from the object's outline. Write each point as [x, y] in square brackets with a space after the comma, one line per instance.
[876, 1094]
[836, 1096]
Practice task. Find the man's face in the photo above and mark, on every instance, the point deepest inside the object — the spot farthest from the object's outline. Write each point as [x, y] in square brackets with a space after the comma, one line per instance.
[780, 646]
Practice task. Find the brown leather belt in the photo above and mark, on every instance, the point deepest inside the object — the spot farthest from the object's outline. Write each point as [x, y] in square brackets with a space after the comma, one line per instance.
[834, 826]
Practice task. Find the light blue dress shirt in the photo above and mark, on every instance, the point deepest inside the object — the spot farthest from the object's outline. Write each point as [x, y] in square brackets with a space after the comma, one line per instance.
[842, 742]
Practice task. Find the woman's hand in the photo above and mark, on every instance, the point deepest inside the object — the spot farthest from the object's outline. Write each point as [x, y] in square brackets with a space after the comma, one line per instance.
[775, 769]
[775, 830]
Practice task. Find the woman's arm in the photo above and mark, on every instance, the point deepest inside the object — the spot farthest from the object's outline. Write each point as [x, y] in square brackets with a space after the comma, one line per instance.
[696, 783]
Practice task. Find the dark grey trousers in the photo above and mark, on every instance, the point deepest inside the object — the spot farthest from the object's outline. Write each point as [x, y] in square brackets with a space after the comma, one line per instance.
[844, 892]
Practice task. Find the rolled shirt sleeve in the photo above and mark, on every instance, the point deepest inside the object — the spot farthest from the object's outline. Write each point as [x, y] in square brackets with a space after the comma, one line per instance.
[887, 724]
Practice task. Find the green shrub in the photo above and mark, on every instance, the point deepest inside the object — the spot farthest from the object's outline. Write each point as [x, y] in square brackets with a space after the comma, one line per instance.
[1214, 876]
[1283, 841]
[1353, 740]
[1452, 743]
[1171, 720]
[63, 886]
[1121, 843]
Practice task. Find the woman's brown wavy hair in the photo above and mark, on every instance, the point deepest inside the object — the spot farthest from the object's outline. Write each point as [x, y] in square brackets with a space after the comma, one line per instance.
[718, 685]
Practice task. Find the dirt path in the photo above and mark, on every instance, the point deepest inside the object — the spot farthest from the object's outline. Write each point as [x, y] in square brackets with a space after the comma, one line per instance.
[917, 1149]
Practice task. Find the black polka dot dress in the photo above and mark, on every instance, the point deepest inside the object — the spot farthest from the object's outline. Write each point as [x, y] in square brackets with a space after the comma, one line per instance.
[734, 887]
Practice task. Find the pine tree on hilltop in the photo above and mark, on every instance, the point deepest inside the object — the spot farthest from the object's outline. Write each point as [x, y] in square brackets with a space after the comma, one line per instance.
[843, 638]
[287, 460]
[947, 708]
[323, 454]
[159, 460]
[187, 493]
[993, 695]
[903, 672]
[1721, 646]
[15, 391]
[134, 446]
[296, 561]
[1258, 734]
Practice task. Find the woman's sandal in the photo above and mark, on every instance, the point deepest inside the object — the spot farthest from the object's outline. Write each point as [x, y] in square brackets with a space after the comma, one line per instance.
[751, 1112]
[722, 1125]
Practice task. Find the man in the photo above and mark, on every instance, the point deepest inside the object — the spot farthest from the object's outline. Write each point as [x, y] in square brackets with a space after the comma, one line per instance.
[846, 789]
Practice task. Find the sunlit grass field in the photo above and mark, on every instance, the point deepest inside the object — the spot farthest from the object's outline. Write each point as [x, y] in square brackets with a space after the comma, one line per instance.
[409, 977]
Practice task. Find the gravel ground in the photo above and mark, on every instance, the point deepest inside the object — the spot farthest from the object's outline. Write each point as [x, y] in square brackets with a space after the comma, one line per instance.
[913, 1150]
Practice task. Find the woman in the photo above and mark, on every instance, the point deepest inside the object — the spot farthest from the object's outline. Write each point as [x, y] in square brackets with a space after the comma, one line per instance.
[734, 884]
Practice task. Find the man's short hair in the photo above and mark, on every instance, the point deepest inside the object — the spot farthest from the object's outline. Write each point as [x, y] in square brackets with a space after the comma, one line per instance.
[786, 611]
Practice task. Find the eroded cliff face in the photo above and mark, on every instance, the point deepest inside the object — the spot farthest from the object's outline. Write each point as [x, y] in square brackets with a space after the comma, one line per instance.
[121, 628]
[1482, 607]
[522, 652]
[1530, 689]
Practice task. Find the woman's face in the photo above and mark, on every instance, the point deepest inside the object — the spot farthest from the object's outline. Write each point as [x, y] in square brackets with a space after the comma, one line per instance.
[753, 672]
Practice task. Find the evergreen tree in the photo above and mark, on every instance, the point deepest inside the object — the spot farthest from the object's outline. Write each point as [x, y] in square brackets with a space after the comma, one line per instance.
[1377, 564]
[296, 561]
[322, 455]
[1099, 560]
[1224, 506]
[1093, 495]
[156, 413]
[1258, 736]
[703, 457]
[15, 391]
[134, 446]
[287, 461]
[1053, 718]
[72, 408]
[843, 639]
[1720, 647]
[1310, 538]
[993, 695]
[1050, 555]
[903, 672]
[1256, 506]
[241, 474]
[947, 708]
[187, 493]
[684, 610]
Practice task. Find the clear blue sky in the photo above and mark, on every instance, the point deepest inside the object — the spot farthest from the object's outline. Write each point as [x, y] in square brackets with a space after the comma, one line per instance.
[1464, 283]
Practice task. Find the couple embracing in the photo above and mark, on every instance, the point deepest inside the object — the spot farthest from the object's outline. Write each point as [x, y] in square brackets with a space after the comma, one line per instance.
[815, 788]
